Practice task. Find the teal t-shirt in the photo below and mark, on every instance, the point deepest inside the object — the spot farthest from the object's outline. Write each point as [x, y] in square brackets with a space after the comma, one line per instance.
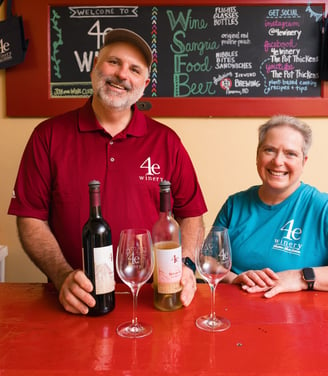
[289, 235]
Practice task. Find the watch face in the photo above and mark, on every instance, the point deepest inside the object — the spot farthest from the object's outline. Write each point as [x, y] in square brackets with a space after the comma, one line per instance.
[308, 274]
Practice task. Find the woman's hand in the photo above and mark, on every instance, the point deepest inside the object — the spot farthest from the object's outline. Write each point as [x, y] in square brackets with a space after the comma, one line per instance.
[257, 280]
[254, 281]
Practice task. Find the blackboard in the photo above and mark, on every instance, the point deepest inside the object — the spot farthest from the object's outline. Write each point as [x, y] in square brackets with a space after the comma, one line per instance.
[212, 58]
[203, 51]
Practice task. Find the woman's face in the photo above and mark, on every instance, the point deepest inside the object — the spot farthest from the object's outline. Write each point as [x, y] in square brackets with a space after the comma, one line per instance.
[280, 161]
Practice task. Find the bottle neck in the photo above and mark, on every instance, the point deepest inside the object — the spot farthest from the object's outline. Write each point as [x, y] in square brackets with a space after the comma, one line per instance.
[95, 208]
[165, 202]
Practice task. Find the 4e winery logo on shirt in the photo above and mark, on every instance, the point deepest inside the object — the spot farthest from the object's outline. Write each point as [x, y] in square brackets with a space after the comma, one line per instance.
[290, 241]
[153, 171]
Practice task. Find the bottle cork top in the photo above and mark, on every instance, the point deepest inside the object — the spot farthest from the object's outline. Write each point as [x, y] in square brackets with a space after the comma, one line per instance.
[165, 185]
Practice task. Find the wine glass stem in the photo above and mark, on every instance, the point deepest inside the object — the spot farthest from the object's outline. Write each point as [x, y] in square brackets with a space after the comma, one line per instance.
[213, 287]
[135, 292]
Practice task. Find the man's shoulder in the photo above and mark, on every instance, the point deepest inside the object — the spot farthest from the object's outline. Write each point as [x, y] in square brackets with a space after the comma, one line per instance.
[60, 119]
[58, 123]
[161, 128]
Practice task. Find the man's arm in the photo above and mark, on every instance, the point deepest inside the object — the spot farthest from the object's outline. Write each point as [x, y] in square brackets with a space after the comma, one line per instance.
[192, 233]
[41, 246]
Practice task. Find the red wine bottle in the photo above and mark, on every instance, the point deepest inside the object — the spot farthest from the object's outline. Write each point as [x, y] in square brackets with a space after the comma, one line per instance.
[167, 248]
[98, 262]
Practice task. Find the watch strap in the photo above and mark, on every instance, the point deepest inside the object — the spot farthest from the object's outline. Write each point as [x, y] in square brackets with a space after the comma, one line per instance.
[189, 263]
[310, 285]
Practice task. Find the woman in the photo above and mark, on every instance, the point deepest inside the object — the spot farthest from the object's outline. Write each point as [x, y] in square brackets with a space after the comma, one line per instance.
[278, 230]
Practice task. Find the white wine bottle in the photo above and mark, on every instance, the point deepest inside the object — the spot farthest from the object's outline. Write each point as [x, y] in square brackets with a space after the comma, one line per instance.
[98, 262]
[167, 249]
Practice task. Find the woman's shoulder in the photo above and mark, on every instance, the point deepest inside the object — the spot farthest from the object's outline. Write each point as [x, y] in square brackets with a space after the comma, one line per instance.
[312, 193]
[246, 193]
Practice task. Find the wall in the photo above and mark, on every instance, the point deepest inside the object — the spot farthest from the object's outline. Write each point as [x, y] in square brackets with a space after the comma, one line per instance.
[223, 152]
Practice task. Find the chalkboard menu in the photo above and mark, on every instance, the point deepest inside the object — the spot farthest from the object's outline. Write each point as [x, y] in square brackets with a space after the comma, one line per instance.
[212, 58]
[199, 51]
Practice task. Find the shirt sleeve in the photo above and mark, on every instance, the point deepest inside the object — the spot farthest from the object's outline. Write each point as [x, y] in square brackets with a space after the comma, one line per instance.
[188, 200]
[222, 218]
[31, 195]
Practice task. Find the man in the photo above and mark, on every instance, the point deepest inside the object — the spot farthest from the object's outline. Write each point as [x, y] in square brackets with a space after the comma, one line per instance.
[110, 140]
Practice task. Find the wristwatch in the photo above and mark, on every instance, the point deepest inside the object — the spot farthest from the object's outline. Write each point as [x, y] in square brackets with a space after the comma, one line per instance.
[188, 262]
[309, 277]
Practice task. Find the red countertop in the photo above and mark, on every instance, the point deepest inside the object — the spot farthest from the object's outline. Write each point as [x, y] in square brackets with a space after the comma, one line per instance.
[285, 335]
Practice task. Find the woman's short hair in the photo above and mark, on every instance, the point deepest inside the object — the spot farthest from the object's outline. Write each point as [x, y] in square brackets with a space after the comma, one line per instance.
[290, 121]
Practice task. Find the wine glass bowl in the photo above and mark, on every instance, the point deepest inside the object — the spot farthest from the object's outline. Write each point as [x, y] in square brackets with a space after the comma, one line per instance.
[134, 265]
[213, 263]
[211, 271]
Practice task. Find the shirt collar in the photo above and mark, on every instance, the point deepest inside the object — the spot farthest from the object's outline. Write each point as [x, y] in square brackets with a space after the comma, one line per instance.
[88, 122]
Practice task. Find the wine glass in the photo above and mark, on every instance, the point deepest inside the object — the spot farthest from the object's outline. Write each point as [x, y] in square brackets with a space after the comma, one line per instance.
[213, 262]
[134, 265]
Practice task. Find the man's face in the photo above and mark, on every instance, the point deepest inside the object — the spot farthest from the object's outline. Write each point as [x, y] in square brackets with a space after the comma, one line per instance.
[119, 76]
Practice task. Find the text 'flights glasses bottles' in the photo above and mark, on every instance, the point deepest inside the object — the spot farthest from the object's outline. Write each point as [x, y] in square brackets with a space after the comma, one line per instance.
[98, 263]
[167, 248]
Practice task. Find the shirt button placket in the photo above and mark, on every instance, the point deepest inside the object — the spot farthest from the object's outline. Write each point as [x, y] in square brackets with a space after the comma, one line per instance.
[111, 159]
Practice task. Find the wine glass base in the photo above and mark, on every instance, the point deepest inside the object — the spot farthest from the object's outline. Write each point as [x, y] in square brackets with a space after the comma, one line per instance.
[210, 324]
[129, 330]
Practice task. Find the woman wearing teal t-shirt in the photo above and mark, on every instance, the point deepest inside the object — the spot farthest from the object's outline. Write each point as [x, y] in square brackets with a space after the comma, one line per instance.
[279, 229]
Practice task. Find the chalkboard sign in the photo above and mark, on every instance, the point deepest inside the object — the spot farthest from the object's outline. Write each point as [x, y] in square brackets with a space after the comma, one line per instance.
[216, 51]
[211, 58]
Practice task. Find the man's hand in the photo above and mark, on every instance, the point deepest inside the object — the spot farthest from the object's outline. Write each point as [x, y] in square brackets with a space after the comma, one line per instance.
[74, 294]
[192, 232]
[189, 285]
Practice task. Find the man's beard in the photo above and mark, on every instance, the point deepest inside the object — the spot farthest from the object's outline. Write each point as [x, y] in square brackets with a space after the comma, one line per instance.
[112, 98]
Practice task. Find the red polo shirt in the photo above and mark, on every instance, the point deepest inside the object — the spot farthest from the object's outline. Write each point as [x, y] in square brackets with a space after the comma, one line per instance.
[65, 152]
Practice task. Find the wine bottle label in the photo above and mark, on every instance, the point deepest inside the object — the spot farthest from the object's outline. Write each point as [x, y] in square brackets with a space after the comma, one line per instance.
[104, 270]
[168, 268]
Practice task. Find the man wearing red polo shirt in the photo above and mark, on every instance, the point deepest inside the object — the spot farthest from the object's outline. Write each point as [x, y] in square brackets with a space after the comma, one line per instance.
[110, 140]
